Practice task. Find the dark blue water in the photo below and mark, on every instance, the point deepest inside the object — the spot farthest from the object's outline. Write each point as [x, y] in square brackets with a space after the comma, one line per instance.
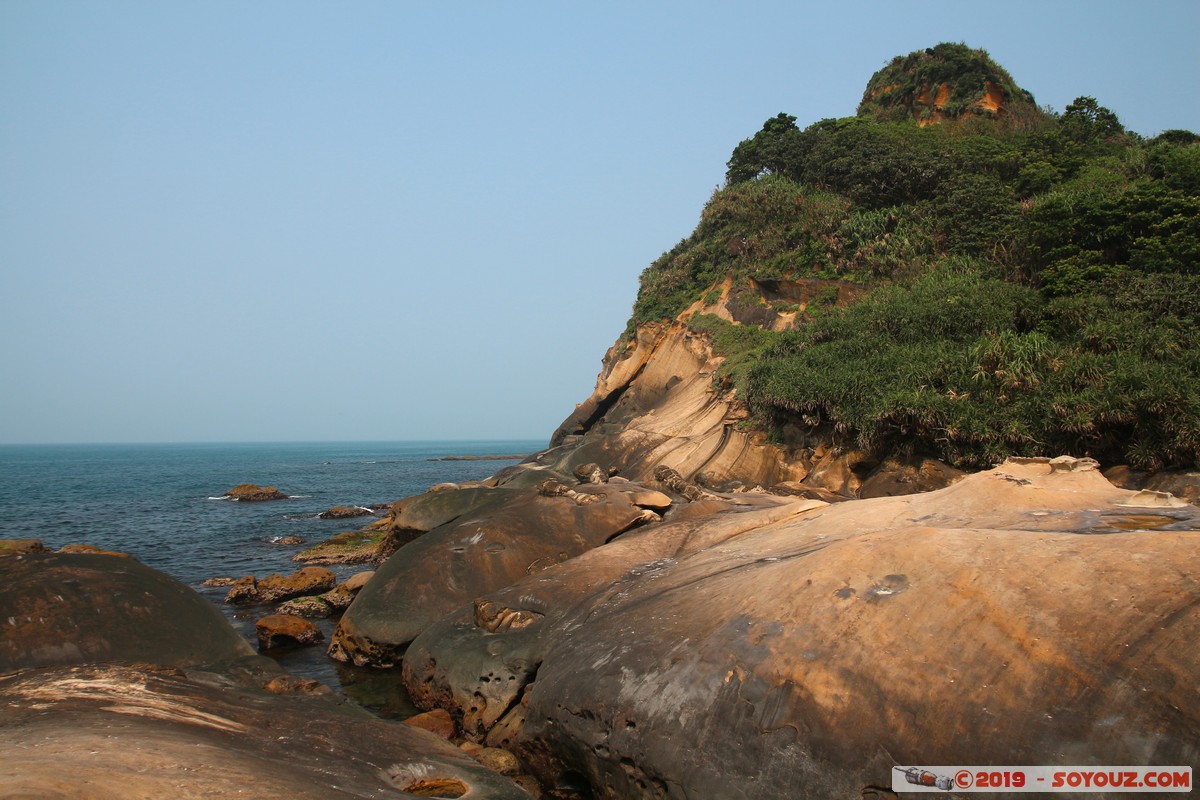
[156, 503]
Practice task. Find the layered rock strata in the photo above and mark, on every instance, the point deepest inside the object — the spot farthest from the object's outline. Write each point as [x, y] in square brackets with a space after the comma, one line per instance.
[1027, 613]
[119, 681]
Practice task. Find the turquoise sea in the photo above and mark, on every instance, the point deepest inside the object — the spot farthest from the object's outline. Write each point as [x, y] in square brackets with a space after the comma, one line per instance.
[160, 503]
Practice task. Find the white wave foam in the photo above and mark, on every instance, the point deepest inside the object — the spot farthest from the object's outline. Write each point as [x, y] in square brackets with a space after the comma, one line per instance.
[222, 497]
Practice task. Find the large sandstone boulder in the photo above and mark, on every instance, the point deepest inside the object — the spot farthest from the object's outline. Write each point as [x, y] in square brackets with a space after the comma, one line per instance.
[115, 732]
[81, 608]
[512, 533]
[1027, 614]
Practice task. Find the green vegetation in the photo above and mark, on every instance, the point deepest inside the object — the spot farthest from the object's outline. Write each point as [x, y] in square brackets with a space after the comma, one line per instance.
[1033, 279]
[895, 91]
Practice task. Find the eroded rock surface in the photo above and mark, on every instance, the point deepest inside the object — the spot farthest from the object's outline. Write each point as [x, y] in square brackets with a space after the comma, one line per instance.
[117, 731]
[181, 707]
[64, 609]
[506, 535]
[277, 588]
[1024, 611]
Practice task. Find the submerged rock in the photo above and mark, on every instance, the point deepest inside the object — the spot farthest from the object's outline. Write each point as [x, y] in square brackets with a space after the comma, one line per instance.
[345, 512]
[91, 548]
[352, 547]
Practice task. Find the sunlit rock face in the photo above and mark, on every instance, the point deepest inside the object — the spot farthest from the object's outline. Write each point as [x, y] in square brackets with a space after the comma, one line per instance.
[119, 681]
[1027, 613]
[143, 732]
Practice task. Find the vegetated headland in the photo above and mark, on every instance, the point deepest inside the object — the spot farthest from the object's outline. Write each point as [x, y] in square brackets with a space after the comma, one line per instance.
[893, 464]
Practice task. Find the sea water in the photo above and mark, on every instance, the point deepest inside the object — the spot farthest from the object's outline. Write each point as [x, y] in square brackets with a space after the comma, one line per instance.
[163, 505]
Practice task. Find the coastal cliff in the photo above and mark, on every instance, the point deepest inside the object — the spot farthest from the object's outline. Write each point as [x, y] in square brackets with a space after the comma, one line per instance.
[836, 504]
[877, 386]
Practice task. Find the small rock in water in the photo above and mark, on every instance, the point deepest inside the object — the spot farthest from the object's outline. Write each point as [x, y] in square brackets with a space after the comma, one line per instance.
[306, 607]
[251, 492]
[283, 630]
[245, 590]
[17, 547]
[287, 540]
[345, 512]
[293, 684]
[223, 581]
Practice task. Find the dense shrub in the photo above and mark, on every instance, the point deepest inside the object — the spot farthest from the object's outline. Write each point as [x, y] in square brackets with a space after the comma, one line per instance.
[1034, 278]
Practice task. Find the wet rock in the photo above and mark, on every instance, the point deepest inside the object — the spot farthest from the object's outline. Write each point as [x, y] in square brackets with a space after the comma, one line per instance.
[341, 596]
[244, 590]
[301, 583]
[357, 581]
[250, 492]
[91, 548]
[352, 547]
[219, 581]
[284, 630]
[132, 733]
[62, 609]
[345, 512]
[311, 607]
[289, 540]
[436, 721]
[294, 685]
[19, 547]
[277, 588]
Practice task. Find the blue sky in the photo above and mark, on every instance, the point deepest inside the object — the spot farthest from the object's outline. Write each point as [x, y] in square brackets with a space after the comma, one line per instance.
[313, 221]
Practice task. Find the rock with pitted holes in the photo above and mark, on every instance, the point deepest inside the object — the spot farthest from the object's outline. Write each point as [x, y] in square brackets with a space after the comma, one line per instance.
[301, 583]
[284, 630]
[277, 588]
[590, 473]
[951, 627]
[471, 556]
[311, 607]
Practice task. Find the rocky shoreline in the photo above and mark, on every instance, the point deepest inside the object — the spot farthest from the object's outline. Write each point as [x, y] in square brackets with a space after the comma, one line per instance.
[660, 605]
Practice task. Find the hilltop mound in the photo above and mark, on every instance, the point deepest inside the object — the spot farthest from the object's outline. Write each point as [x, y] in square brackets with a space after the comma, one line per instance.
[944, 83]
